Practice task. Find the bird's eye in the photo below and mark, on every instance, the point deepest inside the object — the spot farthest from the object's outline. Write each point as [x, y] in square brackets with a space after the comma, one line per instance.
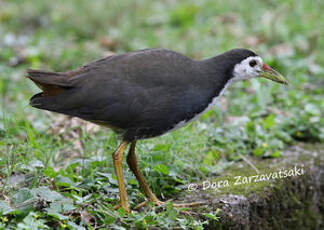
[252, 63]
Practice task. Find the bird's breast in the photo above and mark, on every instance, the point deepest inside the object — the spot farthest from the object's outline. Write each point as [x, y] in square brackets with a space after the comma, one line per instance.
[197, 115]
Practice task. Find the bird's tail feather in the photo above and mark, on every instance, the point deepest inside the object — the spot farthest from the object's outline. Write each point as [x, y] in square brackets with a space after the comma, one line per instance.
[48, 78]
[52, 84]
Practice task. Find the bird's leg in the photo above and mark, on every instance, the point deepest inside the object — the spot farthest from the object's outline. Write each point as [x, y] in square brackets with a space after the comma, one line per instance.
[118, 158]
[132, 163]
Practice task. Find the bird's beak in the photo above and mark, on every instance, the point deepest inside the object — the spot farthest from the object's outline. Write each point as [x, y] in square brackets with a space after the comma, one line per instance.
[273, 75]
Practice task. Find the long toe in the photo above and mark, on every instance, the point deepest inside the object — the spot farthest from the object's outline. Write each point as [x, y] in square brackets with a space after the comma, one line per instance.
[161, 203]
[193, 204]
[142, 204]
[117, 206]
[120, 206]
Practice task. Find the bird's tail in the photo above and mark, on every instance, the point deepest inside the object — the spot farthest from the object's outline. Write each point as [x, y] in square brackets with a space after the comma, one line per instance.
[53, 85]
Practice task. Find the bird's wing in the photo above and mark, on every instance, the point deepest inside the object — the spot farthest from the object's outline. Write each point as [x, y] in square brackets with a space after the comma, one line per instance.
[125, 90]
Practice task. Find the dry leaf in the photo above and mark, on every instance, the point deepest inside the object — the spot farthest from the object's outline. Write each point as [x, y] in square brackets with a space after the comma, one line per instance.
[283, 49]
[108, 43]
[253, 41]
[85, 216]
[70, 129]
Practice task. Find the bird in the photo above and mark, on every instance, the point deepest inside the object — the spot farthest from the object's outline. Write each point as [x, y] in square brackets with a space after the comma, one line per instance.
[144, 94]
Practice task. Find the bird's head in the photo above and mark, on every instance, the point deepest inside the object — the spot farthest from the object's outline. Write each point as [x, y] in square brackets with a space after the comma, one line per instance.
[248, 65]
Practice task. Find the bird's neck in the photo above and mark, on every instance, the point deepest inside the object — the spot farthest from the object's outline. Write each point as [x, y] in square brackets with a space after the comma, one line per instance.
[219, 71]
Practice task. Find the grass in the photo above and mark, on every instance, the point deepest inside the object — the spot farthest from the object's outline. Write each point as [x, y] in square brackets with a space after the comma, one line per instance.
[55, 173]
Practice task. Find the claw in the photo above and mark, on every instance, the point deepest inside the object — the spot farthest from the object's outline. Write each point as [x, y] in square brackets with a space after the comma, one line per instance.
[142, 204]
[119, 206]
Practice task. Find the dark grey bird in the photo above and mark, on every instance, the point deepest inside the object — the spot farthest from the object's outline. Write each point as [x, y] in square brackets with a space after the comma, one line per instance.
[145, 94]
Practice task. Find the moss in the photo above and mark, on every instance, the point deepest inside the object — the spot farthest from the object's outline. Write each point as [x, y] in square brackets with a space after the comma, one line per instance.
[251, 181]
[294, 202]
[266, 167]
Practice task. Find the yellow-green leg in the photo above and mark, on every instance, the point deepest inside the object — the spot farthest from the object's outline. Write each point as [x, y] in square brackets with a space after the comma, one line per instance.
[132, 163]
[118, 159]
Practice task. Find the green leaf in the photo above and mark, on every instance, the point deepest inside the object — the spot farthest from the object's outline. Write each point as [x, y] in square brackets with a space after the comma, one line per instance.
[162, 169]
[57, 215]
[36, 164]
[110, 219]
[210, 158]
[162, 147]
[184, 15]
[312, 109]
[269, 122]
[258, 151]
[31, 223]
[57, 208]
[50, 172]
[276, 154]
[64, 181]
[75, 226]
[46, 194]
[121, 212]
[31, 137]
[109, 177]
[132, 181]
[5, 208]
[250, 127]
[22, 195]
[211, 216]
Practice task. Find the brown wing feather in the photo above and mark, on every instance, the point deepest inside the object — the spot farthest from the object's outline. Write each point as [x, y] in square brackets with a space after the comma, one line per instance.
[51, 83]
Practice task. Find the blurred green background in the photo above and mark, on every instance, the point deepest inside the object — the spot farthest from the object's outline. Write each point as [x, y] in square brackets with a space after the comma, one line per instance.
[41, 151]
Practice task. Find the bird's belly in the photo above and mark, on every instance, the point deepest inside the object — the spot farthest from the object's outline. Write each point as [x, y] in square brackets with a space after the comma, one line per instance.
[195, 116]
[106, 124]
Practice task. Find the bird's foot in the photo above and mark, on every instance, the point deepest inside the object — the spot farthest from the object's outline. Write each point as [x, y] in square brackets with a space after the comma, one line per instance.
[123, 207]
[142, 204]
[160, 203]
[192, 204]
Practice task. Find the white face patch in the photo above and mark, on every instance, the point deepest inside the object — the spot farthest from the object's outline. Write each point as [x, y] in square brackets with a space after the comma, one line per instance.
[250, 67]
